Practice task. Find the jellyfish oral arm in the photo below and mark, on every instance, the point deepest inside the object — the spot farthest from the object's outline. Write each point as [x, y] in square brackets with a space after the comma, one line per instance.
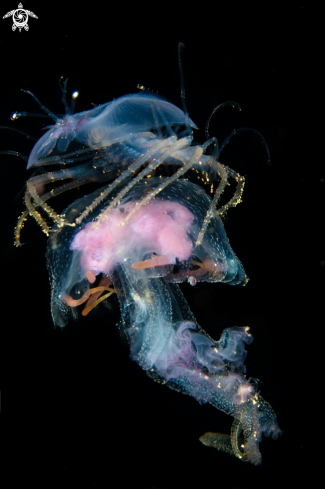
[164, 338]
[184, 358]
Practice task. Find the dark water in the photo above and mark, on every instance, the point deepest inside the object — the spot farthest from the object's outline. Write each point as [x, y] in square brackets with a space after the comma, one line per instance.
[74, 407]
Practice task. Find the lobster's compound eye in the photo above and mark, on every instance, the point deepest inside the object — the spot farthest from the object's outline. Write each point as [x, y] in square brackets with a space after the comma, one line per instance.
[75, 95]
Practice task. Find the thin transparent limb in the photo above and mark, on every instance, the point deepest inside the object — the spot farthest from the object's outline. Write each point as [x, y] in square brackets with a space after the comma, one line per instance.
[63, 87]
[16, 115]
[20, 224]
[19, 132]
[181, 72]
[195, 158]
[33, 206]
[131, 169]
[31, 193]
[47, 111]
[63, 188]
[53, 193]
[182, 143]
[219, 190]
[237, 197]
[214, 203]
[41, 180]
[14, 153]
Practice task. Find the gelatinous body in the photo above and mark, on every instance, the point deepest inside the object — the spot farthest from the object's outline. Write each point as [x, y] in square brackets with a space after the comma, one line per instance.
[140, 235]
[163, 335]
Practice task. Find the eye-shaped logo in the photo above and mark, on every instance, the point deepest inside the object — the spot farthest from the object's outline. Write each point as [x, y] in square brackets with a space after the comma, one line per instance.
[20, 18]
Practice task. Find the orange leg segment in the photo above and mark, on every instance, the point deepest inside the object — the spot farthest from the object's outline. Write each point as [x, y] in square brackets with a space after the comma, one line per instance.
[92, 296]
[156, 261]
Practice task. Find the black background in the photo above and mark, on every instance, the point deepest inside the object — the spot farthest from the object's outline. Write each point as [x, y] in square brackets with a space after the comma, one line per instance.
[74, 406]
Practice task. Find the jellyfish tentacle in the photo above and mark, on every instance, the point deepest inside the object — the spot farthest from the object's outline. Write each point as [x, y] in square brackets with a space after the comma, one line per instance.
[235, 200]
[255, 131]
[230, 103]
[35, 214]
[53, 193]
[81, 177]
[19, 226]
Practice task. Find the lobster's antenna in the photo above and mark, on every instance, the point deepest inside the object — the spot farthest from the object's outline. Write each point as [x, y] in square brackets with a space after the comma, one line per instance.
[15, 115]
[28, 136]
[187, 121]
[63, 87]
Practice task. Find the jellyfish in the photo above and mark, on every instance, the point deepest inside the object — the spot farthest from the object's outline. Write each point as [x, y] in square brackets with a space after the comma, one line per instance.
[145, 229]
[141, 256]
